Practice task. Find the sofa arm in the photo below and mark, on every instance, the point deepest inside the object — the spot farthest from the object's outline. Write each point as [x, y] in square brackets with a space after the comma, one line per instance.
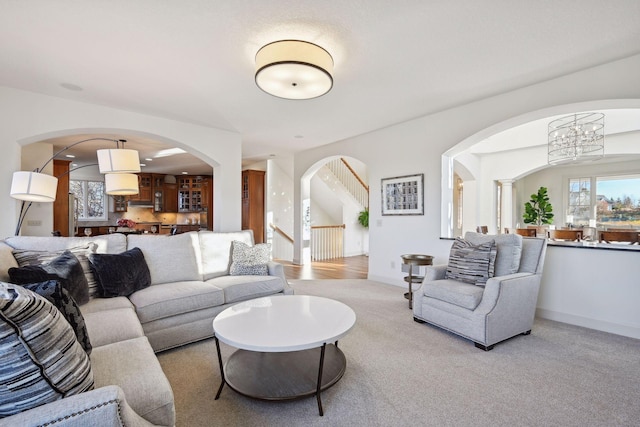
[102, 406]
[277, 269]
[509, 286]
[434, 272]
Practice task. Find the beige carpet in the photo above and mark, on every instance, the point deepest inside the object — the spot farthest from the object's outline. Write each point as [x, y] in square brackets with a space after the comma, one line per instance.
[402, 373]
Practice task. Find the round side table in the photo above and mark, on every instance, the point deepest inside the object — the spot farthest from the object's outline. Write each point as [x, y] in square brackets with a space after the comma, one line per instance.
[414, 260]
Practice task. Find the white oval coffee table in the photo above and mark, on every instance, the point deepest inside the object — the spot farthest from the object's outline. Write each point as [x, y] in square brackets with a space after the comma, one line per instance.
[287, 346]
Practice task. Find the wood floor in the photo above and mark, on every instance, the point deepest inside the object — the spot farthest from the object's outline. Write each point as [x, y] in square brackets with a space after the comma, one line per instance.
[355, 267]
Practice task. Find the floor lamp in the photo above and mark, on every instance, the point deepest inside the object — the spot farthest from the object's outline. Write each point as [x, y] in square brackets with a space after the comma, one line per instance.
[118, 165]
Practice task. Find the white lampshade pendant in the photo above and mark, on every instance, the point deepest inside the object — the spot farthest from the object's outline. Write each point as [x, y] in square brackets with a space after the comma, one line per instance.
[121, 184]
[118, 161]
[294, 69]
[34, 187]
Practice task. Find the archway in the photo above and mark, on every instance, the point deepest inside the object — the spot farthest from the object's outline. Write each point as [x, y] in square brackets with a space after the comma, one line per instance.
[522, 161]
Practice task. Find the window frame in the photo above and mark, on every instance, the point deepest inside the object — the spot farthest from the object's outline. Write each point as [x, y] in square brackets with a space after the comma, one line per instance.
[105, 200]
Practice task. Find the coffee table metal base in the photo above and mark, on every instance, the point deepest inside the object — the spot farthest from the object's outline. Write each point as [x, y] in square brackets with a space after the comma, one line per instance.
[283, 375]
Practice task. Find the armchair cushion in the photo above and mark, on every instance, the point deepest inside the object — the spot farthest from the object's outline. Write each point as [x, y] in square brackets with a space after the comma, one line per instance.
[454, 292]
[471, 263]
[509, 250]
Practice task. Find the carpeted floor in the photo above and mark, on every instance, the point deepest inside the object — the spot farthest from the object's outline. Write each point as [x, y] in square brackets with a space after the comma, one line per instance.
[402, 373]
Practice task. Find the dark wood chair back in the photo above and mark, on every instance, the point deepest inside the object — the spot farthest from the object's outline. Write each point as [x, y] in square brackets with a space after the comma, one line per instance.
[619, 236]
[574, 235]
[527, 232]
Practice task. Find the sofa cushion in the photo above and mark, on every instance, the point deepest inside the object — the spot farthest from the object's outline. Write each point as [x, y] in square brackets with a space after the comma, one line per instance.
[37, 257]
[40, 358]
[123, 325]
[65, 268]
[170, 258]
[454, 292]
[471, 263]
[120, 274]
[249, 260]
[53, 291]
[509, 250]
[106, 304]
[7, 260]
[170, 299]
[215, 248]
[133, 366]
[105, 244]
[240, 288]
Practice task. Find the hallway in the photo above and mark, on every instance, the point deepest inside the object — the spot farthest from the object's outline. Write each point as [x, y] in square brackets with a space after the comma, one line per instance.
[355, 267]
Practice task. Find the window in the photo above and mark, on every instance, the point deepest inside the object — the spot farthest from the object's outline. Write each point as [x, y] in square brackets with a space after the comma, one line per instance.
[579, 201]
[618, 200]
[615, 202]
[90, 199]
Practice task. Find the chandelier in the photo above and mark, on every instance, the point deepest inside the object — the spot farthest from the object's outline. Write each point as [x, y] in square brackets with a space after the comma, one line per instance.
[576, 138]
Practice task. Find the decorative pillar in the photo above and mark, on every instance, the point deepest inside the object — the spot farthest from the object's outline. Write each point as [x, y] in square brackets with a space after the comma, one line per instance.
[506, 205]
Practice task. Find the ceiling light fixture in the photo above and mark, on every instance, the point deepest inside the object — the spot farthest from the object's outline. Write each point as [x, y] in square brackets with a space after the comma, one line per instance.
[576, 138]
[294, 69]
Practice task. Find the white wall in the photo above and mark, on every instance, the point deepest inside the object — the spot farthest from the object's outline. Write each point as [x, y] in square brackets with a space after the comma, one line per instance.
[39, 219]
[279, 205]
[27, 117]
[417, 146]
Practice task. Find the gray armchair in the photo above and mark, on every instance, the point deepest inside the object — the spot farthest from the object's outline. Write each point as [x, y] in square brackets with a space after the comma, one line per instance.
[503, 308]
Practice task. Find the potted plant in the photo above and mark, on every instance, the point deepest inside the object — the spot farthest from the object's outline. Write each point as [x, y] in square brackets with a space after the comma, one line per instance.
[363, 218]
[538, 210]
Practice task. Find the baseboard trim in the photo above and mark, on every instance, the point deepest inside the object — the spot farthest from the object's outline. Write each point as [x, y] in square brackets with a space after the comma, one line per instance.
[599, 325]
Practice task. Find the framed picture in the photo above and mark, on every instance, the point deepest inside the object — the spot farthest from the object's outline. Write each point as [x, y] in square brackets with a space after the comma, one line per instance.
[403, 195]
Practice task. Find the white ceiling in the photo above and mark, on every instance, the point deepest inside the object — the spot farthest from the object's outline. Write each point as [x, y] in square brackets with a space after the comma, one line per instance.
[194, 60]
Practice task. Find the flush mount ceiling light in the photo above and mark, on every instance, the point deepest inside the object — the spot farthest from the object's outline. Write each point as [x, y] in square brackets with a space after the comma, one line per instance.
[294, 69]
[576, 138]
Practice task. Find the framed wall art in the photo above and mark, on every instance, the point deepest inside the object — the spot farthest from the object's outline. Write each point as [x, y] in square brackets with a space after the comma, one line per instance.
[403, 195]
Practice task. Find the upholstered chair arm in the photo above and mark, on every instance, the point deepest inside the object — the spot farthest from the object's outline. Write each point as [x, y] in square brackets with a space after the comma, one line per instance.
[104, 406]
[504, 287]
[434, 272]
[277, 269]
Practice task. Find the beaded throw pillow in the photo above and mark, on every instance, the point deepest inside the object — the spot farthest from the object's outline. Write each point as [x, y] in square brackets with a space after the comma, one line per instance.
[471, 263]
[249, 260]
[41, 360]
[53, 291]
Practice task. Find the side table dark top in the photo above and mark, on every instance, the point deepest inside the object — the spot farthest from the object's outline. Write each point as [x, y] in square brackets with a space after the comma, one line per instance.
[414, 260]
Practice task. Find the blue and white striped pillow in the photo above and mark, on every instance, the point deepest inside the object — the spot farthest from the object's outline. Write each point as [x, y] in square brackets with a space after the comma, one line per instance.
[40, 358]
[471, 263]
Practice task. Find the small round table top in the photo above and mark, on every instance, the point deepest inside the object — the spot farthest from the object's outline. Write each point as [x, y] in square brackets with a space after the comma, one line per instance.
[417, 259]
[283, 323]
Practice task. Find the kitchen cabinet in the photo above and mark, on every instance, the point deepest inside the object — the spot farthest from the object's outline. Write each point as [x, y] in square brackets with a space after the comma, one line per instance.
[61, 211]
[170, 197]
[145, 188]
[253, 203]
[158, 197]
[190, 193]
[119, 203]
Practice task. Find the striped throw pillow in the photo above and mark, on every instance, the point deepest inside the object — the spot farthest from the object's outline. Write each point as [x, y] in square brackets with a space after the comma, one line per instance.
[31, 257]
[40, 358]
[471, 263]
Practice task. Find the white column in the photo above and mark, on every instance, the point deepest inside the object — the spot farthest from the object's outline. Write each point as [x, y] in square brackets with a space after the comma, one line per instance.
[506, 207]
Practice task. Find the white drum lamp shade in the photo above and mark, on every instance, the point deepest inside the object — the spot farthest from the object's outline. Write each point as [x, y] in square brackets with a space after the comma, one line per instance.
[121, 184]
[118, 160]
[34, 187]
[294, 69]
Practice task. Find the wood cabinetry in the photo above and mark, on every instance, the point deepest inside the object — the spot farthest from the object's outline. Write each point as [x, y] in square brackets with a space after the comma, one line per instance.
[170, 197]
[119, 203]
[190, 194]
[253, 203]
[158, 195]
[61, 211]
[145, 187]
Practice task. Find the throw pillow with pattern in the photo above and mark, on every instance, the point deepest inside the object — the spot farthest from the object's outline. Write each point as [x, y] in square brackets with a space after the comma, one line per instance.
[471, 263]
[31, 257]
[53, 291]
[41, 360]
[249, 260]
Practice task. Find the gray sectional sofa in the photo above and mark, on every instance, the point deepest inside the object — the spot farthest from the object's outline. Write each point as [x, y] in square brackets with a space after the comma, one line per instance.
[190, 285]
